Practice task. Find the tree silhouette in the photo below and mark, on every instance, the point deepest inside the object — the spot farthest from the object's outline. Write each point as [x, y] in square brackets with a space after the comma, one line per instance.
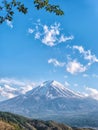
[7, 8]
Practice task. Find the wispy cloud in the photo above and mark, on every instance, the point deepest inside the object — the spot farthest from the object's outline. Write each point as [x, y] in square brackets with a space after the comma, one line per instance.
[7, 91]
[92, 92]
[75, 67]
[56, 62]
[10, 88]
[86, 54]
[65, 38]
[79, 62]
[49, 35]
[9, 23]
[30, 30]
[79, 66]
[11, 81]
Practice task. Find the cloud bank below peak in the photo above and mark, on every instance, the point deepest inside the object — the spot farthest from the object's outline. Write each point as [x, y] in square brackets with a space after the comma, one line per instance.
[10, 88]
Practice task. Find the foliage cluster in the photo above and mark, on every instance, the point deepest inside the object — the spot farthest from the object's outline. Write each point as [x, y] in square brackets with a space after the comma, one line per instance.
[7, 8]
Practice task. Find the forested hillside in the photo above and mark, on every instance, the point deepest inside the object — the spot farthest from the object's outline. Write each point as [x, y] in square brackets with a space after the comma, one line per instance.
[10, 121]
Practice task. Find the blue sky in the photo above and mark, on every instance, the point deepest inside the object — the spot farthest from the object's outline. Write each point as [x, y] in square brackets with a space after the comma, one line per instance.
[40, 46]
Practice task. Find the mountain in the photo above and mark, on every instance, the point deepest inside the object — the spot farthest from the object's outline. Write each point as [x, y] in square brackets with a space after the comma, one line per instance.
[53, 89]
[51, 100]
[10, 121]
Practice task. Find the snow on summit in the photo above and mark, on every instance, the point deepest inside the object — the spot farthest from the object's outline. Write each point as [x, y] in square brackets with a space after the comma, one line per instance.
[53, 89]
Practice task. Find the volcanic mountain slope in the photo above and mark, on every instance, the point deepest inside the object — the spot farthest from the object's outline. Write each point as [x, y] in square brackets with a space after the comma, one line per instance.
[10, 121]
[53, 89]
[50, 100]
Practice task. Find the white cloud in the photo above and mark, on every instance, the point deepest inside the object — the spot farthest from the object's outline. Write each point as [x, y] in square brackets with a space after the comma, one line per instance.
[50, 35]
[30, 30]
[7, 95]
[75, 67]
[7, 92]
[11, 81]
[9, 23]
[65, 38]
[56, 62]
[37, 35]
[10, 87]
[87, 54]
[92, 92]
[79, 48]
[27, 88]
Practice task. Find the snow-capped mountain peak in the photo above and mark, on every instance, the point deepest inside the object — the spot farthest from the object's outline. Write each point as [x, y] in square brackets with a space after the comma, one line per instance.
[53, 89]
[52, 83]
[48, 99]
